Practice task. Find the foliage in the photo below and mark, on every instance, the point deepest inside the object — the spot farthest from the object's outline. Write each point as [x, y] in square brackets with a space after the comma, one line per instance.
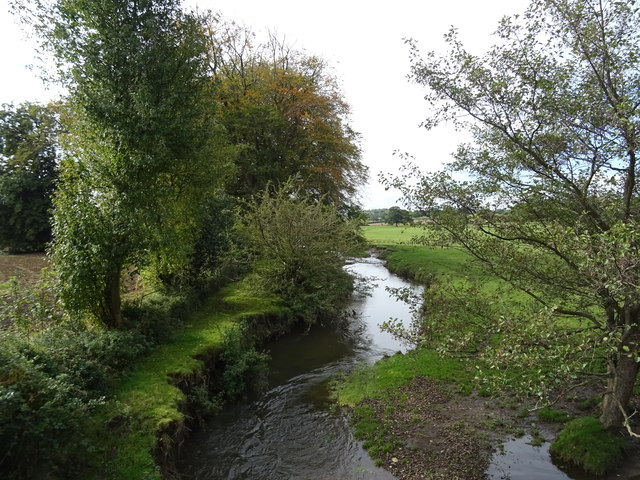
[215, 240]
[396, 215]
[28, 308]
[585, 443]
[546, 196]
[244, 367]
[300, 246]
[28, 173]
[50, 381]
[144, 152]
[376, 215]
[285, 112]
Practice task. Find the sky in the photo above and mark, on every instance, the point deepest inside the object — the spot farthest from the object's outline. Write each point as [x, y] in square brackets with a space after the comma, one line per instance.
[363, 41]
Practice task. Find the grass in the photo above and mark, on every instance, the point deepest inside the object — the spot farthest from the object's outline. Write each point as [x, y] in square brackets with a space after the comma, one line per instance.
[145, 404]
[585, 443]
[552, 415]
[390, 372]
[386, 235]
[381, 381]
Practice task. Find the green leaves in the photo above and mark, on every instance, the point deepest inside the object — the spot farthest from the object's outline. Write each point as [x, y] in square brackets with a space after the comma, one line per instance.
[300, 246]
[143, 152]
[545, 197]
[28, 173]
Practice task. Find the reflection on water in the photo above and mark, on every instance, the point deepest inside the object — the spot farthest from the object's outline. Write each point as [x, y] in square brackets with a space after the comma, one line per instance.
[520, 460]
[293, 431]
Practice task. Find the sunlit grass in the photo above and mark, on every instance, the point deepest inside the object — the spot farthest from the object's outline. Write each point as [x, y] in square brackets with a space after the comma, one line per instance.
[383, 235]
[145, 402]
[391, 372]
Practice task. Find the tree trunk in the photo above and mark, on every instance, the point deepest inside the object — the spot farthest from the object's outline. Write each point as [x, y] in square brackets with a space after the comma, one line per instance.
[623, 372]
[112, 300]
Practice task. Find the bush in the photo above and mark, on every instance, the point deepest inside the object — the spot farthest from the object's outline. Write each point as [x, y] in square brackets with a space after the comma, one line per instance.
[300, 246]
[585, 443]
[50, 381]
[157, 316]
[244, 367]
[40, 410]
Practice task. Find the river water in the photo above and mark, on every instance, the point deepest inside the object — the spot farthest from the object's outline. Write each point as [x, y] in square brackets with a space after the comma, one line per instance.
[294, 431]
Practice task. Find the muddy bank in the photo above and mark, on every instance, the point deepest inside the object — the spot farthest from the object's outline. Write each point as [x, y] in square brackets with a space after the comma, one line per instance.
[439, 433]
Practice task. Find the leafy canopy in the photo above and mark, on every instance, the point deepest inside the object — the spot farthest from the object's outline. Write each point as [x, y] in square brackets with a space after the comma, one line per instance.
[546, 196]
[28, 174]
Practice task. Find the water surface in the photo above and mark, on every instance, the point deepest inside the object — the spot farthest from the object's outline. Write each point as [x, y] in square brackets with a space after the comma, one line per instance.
[293, 431]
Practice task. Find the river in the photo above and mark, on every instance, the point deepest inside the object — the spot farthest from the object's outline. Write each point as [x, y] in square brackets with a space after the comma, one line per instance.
[294, 430]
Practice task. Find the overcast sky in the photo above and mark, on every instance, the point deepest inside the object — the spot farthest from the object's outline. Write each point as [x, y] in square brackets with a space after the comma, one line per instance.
[361, 40]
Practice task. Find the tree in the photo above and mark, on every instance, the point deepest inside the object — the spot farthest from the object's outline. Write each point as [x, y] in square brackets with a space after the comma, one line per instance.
[286, 113]
[143, 151]
[28, 173]
[548, 199]
[300, 246]
[396, 215]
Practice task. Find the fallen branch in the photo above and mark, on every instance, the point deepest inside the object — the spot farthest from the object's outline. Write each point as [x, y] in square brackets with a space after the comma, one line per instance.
[627, 420]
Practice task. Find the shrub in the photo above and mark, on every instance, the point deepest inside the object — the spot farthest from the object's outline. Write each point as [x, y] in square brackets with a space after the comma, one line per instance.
[300, 246]
[244, 367]
[40, 410]
[53, 373]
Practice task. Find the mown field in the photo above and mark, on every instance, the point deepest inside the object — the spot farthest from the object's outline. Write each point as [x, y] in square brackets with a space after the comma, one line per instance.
[26, 266]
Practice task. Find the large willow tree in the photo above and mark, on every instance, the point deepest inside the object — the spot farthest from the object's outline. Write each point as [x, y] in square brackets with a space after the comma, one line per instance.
[141, 150]
[546, 196]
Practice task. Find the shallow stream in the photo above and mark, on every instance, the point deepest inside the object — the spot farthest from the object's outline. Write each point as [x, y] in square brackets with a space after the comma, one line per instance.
[293, 431]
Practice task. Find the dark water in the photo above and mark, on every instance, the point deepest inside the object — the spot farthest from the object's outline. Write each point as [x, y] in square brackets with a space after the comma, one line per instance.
[293, 431]
[519, 460]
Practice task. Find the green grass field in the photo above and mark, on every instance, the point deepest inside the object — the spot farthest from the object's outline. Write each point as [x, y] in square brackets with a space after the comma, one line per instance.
[385, 235]
[406, 256]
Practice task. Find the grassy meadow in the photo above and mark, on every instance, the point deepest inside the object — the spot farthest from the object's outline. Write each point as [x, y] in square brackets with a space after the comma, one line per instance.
[406, 255]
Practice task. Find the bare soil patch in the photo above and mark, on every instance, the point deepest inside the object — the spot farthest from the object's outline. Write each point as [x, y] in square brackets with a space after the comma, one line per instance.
[442, 434]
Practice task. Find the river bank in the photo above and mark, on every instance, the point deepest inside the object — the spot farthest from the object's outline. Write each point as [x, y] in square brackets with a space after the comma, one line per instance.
[434, 426]
[138, 431]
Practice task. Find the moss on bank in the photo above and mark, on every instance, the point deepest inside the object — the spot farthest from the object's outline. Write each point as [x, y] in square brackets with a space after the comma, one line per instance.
[135, 433]
[586, 444]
